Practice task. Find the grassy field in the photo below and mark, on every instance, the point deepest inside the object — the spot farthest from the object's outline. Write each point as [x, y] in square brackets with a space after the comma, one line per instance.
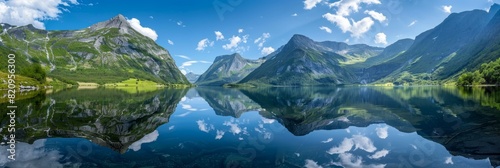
[20, 80]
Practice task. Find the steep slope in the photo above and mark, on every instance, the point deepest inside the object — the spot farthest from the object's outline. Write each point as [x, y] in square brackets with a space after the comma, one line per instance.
[390, 52]
[227, 69]
[484, 48]
[301, 62]
[192, 77]
[353, 53]
[109, 51]
[434, 49]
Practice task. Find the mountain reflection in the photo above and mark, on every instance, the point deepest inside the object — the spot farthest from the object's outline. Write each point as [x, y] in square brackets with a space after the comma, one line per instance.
[108, 117]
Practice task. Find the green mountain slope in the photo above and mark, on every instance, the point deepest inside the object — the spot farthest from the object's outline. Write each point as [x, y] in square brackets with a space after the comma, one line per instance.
[228, 69]
[106, 52]
[302, 62]
[463, 40]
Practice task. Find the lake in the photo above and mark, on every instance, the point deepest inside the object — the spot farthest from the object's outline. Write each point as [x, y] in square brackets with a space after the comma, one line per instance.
[257, 127]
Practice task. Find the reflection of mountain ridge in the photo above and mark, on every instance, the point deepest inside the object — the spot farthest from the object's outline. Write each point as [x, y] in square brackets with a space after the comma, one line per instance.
[227, 101]
[303, 110]
[457, 119]
[111, 118]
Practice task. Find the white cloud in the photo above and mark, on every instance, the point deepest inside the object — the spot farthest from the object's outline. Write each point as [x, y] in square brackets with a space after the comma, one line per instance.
[446, 8]
[240, 30]
[357, 141]
[295, 14]
[381, 38]
[234, 42]
[312, 164]
[180, 23]
[309, 4]
[235, 129]
[376, 15]
[356, 28]
[146, 31]
[382, 132]
[183, 71]
[189, 63]
[204, 43]
[326, 29]
[267, 121]
[346, 7]
[171, 127]
[24, 12]
[245, 38]
[262, 39]
[151, 137]
[412, 23]
[448, 160]
[379, 154]
[218, 36]
[31, 155]
[170, 42]
[203, 126]
[349, 160]
[220, 134]
[74, 2]
[183, 56]
[267, 50]
[328, 140]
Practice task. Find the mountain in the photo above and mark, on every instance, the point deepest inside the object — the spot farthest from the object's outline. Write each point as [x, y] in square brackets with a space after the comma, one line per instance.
[302, 61]
[228, 69]
[107, 52]
[191, 77]
[462, 40]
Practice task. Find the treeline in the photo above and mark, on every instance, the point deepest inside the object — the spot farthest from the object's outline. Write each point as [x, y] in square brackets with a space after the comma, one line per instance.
[487, 74]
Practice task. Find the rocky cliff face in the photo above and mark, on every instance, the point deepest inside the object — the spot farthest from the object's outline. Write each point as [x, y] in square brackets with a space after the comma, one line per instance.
[109, 51]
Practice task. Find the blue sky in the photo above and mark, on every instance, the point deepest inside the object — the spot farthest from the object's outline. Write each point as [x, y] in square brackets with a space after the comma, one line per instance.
[187, 28]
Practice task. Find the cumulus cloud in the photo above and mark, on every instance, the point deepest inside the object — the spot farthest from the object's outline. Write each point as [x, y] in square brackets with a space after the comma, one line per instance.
[240, 30]
[267, 121]
[382, 132]
[220, 134]
[24, 12]
[446, 8]
[204, 43]
[356, 28]
[151, 137]
[218, 36]
[309, 4]
[170, 42]
[146, 31]
[349, 160]
[203, 126]
[381, 38]
[262, 39]
[376, 15]
[295, 14]
[346, 7]
[412, 23]
[312, 164]
[234, 128]
[267, 50]
[233, 43]
[326, 29]
[357, 141]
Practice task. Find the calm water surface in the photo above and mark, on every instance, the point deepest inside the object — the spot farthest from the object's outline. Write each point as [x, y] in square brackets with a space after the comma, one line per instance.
[258, 127]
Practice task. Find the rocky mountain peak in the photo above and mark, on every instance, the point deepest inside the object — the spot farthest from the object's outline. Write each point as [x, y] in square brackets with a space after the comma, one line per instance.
[494, 8]
[118, 21]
